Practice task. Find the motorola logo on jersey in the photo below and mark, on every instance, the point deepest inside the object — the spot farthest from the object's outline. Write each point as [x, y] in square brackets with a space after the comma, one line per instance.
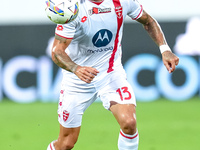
[102, 38]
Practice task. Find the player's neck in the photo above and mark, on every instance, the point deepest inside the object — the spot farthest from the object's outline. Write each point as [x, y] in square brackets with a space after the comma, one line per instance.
[96, 0]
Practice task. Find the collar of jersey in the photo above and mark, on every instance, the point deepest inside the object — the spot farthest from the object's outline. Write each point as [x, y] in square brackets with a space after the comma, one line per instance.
[97, 3]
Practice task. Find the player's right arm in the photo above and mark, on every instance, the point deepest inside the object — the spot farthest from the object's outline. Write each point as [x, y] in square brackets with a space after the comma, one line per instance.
[60, 58]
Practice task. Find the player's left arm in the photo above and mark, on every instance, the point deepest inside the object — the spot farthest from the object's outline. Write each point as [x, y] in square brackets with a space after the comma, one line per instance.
[170, 60]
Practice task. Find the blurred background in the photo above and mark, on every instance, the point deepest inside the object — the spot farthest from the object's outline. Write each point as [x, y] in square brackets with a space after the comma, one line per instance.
[28, 74]
[28, 77]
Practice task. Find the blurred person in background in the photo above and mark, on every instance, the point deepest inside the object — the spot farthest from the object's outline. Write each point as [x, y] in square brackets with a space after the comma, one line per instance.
[89, 51]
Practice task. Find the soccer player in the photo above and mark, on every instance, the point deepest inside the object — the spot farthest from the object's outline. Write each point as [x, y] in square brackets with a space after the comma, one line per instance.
[89, 51]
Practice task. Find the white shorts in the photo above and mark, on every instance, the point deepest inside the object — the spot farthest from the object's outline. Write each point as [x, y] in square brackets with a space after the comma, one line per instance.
[75, 99]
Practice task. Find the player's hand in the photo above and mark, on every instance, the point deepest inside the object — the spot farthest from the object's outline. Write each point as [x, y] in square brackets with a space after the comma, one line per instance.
[170, 60]
[86, 74]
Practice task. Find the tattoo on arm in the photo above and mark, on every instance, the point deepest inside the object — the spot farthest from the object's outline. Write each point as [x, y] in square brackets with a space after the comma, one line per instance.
[153, 29]
[61, 39]
[60, 57]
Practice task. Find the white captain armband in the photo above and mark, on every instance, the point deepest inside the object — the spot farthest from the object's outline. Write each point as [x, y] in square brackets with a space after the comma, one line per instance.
[164, 48]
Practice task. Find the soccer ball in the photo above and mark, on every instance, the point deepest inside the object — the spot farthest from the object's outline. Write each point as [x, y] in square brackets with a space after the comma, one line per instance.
[62, 11]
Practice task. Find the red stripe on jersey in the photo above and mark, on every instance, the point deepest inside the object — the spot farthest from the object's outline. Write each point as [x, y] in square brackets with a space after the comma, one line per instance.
[63, 36]
[139, 13]
[51, 146]
[128, 136]
[118, 11]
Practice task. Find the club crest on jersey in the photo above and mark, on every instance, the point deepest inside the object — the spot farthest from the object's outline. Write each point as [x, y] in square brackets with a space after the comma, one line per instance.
[118, 11]
[96, 10]
[65, 115]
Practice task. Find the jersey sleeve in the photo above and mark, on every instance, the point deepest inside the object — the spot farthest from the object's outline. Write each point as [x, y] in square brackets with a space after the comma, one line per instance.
[135, 9]
[66, 30]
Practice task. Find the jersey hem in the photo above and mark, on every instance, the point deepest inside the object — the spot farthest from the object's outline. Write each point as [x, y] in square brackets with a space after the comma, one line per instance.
[64, 36]
[139, 13]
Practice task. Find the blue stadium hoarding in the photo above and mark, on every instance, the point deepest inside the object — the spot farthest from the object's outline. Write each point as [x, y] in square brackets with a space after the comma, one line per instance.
[27, 73]
[164, 84]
